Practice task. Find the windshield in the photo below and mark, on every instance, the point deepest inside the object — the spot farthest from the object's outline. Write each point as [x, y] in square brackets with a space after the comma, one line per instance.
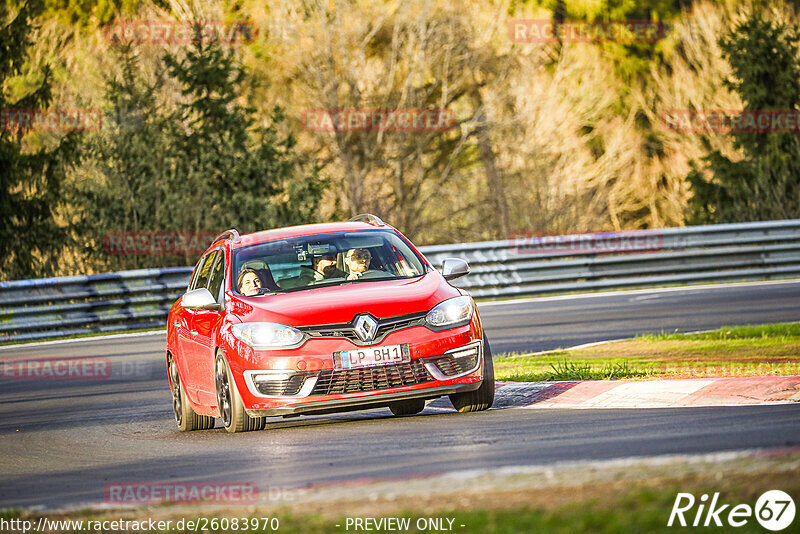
[307, 262]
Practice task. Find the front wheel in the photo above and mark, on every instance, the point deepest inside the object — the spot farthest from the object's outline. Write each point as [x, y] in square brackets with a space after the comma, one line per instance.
[229, 402]
[185, 416]
[483, 397]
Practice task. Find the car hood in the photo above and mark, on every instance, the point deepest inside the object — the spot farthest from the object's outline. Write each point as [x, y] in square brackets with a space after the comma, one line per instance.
[340, 304]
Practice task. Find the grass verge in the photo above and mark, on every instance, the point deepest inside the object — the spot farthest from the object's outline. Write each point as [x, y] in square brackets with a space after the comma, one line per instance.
[759, 350]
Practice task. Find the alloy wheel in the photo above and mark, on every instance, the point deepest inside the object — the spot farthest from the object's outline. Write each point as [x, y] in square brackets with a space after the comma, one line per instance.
[175, 381]
[223, 392]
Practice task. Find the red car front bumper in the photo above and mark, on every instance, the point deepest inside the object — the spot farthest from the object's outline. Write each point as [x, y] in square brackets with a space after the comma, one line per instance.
[442, 363]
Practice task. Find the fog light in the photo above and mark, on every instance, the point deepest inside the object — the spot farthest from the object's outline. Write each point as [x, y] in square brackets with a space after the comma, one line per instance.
[270, 377]
[472, 351]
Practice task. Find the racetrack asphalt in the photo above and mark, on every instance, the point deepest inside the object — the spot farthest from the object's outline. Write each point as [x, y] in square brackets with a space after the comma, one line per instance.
[63, 441]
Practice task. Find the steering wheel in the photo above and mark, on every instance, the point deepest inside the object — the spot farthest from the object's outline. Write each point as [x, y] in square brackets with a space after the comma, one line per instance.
[313, 270]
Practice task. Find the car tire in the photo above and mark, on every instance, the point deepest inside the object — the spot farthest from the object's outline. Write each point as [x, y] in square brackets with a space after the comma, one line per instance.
[409, 407]
[231, 409]
[483, 397]
[185, 416]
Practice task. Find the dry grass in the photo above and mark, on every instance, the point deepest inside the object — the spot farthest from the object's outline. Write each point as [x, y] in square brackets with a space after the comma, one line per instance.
[575, 146]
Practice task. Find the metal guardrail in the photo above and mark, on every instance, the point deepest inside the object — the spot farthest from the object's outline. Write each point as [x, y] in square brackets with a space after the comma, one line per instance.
[522, 266]
[126, 300]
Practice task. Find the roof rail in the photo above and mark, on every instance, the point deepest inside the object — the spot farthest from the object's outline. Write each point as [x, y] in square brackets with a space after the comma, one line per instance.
[368, 218]
[231, 234]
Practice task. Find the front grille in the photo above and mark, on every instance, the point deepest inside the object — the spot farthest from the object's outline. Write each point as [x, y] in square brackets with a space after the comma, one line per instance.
[371, 378]
[333, 382]
[455, 366]
[346, 330]
[281, 388]
[390, 325]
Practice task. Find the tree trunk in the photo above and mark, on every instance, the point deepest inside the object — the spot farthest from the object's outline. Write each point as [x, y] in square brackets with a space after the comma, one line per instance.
[494, 181]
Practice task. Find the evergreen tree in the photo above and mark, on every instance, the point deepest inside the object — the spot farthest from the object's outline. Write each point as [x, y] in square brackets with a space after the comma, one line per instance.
[765, 183]
[128, 181]
[30, 180]
[202, 164]
[244, 170]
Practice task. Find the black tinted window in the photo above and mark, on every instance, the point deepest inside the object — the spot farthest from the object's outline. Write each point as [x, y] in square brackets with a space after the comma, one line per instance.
[203, 271]
[217, 276]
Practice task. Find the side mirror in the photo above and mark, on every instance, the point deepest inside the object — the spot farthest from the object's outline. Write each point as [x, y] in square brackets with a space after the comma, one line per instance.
[200, 299]
[453, 268]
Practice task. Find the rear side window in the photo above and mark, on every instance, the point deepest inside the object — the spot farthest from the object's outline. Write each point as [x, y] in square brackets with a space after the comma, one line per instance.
[203, 271]
[197, 268]
[217, 276]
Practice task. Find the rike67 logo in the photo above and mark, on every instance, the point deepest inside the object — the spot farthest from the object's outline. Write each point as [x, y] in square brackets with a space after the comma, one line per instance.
[774, 510]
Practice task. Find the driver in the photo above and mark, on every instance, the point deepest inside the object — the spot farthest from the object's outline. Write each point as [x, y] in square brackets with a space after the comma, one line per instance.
[357, 260]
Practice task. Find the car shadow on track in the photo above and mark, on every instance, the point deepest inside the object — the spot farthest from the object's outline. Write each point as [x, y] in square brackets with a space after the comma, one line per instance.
[507, 395]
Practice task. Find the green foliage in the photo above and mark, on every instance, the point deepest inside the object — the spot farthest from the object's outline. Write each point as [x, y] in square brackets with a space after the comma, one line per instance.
[183, 150]
[572, 370]
[89, 12]
[129, 180]
[632, 59]
[788, 332]
[241, 165]
[765, 184]
[205, 165]
[246, 169]
[30, 236]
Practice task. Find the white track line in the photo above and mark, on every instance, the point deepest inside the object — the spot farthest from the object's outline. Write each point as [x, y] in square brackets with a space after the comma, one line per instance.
[87, 338]
[636, 292]
[605, 342]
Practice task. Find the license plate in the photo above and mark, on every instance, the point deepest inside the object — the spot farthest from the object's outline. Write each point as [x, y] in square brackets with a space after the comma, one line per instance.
[371, 356]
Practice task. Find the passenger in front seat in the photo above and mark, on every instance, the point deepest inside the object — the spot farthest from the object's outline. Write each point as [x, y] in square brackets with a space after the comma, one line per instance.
[249, 282]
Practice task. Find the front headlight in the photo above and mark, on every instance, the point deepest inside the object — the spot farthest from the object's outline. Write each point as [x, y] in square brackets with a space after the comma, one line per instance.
[451, 312]
[266, 336]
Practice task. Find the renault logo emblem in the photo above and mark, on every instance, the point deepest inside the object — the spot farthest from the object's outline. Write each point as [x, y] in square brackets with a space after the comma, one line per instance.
[365, 327]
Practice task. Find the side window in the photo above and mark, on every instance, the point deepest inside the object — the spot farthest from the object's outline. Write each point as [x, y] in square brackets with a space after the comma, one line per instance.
[217, 276]
[203, 271]
[196, 273]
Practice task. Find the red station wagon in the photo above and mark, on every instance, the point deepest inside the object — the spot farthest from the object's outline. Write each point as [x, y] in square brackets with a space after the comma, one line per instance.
[318, 319]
